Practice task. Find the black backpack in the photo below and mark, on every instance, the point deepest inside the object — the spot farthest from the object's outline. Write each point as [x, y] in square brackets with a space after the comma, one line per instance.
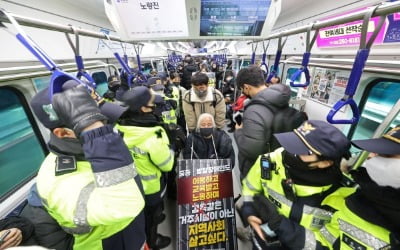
[285, 120]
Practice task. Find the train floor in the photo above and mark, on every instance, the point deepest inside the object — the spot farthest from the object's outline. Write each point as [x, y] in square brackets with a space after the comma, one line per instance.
[169, 226]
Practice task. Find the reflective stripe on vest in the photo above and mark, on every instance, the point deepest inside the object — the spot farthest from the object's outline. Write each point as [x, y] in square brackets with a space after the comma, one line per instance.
[363, 236]
[310, 241]
[148, 177]
[318, 216]
[115, 176]
[172, 153]
[139, 151]
[327, 235]
[80, 216]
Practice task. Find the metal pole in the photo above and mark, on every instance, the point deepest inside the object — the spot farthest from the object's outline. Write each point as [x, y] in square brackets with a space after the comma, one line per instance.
[36, 23]
[384, 9]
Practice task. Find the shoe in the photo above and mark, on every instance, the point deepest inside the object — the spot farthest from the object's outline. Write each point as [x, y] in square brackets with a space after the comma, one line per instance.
[161, 218]
[161, 242]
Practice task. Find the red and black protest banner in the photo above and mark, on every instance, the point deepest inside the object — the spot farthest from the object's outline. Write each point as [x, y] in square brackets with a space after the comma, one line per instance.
[206, 214]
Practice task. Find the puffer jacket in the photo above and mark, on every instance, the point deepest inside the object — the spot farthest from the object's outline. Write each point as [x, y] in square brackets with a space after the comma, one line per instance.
[252, 140]
[193, 107]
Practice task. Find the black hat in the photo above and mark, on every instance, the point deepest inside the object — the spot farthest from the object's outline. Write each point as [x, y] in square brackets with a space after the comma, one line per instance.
[113, 80]
[388, 144]
[137, 97]
[153, 81]
[163, 76]
[318, 137]
[43, 109]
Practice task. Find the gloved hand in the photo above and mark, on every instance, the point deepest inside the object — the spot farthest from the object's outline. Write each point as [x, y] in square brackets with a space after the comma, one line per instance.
[76, 109]
[267, 212]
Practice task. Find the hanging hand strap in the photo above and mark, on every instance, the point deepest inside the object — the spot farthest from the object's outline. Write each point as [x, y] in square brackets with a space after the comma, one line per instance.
[264, 57]
[278, 55]
[306, 59]
[125, 68]
[58, 77]
[78, 58]
[253, 54]
[355, 75]
[141, 78]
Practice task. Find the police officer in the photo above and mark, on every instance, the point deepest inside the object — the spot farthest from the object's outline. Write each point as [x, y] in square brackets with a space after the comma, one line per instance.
[88, 183]
[150, 146]
[365, 217]
[296, 178]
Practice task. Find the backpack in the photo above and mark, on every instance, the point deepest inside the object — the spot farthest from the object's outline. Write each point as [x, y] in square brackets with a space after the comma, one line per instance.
[285, 120]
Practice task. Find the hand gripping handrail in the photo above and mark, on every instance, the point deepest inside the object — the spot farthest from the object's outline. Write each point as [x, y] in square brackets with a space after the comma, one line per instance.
[125, 68]
[264, 57]
[277, 59]
[78, 58]
[306, 59]
[58, 76]
[355, 75]
[253, 54]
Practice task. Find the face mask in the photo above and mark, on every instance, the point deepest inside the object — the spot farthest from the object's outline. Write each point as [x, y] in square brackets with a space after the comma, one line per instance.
[200, 93]
[384, 171]
[205, 132]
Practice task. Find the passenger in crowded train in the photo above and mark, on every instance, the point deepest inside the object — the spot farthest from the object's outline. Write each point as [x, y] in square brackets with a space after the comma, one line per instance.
[274, 80]
[293, 180]
[150, 147]
[89, 174]
[207, 142]
[16, 231]
[48, 233]
[254, 135]
[366, 216]
[113, 84]
[188, 69]
[203, 99]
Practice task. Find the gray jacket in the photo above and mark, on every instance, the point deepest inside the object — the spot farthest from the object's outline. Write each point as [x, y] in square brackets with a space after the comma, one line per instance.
[253, 139]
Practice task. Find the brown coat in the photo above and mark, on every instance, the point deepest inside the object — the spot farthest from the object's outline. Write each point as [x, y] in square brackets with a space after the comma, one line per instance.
[193, 107]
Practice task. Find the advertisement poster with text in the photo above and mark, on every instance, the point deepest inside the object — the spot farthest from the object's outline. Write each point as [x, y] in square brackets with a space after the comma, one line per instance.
[206, 214]
[328, 86]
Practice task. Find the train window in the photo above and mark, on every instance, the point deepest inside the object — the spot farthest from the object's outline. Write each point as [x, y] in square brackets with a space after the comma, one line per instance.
[379, 100]
[289, 74]
[100, 78]
[21, 152]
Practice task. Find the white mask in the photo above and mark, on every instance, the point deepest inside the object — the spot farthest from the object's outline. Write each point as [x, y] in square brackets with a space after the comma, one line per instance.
[384, 171]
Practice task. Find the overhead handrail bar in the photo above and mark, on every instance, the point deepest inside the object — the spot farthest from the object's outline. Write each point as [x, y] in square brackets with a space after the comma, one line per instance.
[355, 74]
[58, 76]
[383, 9]
[78, 58]
[36, 23]
[278, 55]
[253, 54]
[306, 60]
[124, 65]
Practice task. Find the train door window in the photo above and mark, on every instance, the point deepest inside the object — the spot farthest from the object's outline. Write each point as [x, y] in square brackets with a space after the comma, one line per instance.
[289, 73]
[21, 152]
[379, 100]
[100, 78]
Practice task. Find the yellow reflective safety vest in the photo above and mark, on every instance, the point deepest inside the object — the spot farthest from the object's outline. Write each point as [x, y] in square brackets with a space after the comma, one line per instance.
[312, 218]
[84, 207]
[151, 153]
[352, 231]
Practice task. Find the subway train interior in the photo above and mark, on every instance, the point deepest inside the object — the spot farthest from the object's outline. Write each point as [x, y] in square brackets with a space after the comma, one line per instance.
[339, 69]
